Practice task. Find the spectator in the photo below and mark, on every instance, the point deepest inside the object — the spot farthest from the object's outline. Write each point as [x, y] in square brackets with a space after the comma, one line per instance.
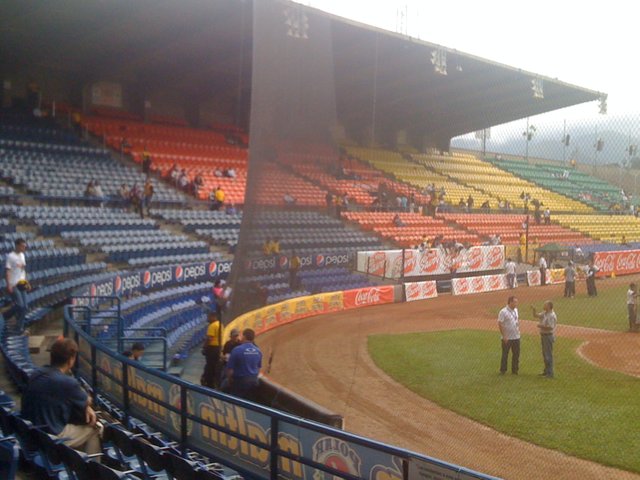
[55, 399]
[147, 196]
[230, 173]
[146, 162]
[328, 198]
[294, 267]
[547, 216]
[397, 221]
[470, 202]
[244, 367]
[218, 173]
[17, 283]
[570, 280]
[218, 198]
[136, 352]
[198, 183]
[486, 206]
[175, 175]
[233, 342]
[623, 240]
[510, 270]
[123, 195]
[135, 197]
[230, 209]
[543, 271]
[90, 190]
[211, 351]
[183, 180]
[219, 297]
[462, 204]
[266, 247]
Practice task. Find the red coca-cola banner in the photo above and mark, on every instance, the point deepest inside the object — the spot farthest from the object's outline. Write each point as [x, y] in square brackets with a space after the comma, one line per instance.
[623, 262]
[363, 297]
[482, 283]
[420, 290]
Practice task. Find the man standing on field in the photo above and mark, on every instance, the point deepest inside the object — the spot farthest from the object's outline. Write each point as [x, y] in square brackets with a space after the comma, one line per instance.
[547, 326]
[509, 325]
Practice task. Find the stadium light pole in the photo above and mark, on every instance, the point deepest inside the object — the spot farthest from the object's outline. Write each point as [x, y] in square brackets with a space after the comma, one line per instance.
[528, 135]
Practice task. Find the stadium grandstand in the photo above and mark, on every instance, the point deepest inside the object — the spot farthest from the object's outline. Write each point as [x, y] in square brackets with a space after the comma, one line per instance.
[151, 150]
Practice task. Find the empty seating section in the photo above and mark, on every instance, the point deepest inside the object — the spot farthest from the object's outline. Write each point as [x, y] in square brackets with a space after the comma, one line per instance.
[276, 181]
[604, 228]
[199, 152]
[308, 232]
[64, 170]
[496, 183]
[570, 182]
[403, 169]
[510, 227]
[122, 236]
[415, 227]
[217, 226]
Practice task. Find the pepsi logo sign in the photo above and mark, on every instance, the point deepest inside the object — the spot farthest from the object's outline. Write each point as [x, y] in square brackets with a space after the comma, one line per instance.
[117, 284]
[179, 273]
[213, 268]
[146, 279]
[320, 261]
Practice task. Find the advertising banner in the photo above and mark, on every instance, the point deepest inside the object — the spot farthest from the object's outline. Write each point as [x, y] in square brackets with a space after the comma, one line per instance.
[127, 283]
[433, 261]
[348, 457]
[483, 283]
[420, 290]
[618, 263]
[364, 297]
[280, 263]
[533, 278]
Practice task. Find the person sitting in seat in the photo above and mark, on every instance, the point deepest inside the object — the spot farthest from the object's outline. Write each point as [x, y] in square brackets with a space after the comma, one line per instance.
[55, 399]
[397, 221]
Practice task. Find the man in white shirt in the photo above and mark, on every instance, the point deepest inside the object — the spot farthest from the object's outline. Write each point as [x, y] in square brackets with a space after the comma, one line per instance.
[510, 270]
[17, 284]
[547, 326]
[509, 325]
[543, 271]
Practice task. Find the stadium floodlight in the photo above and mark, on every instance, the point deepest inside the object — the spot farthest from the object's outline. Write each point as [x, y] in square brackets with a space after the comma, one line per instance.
[602, 106]
[537, 85]
[296, 22]
[566, 140]
[439, 61]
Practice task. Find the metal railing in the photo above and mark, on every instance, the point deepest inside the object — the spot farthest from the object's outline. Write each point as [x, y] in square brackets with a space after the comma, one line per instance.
[256, 441]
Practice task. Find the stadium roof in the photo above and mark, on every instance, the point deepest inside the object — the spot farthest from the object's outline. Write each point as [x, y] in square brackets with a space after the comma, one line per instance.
[201, 46]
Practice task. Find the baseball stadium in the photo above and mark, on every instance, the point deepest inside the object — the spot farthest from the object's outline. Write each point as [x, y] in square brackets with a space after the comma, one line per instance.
[254, 239]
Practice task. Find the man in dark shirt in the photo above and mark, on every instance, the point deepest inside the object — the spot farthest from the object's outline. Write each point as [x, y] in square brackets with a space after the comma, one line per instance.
[244, 366]
[55, 398]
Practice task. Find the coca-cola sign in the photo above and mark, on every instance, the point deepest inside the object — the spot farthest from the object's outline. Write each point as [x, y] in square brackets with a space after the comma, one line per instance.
[619, 263]
[362, 297]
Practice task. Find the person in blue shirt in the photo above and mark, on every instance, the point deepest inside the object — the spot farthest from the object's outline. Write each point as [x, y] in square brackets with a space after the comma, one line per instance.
[244, 367]
[55, 399]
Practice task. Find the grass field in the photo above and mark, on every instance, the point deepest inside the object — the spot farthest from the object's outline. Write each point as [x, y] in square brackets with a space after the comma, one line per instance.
[585, 411]
[607, 311]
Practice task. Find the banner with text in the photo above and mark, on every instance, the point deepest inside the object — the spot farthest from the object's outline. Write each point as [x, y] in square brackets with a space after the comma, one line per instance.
[483, 283]
[420, 290]
[433, 261]
[623, 262]
[364, 297]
